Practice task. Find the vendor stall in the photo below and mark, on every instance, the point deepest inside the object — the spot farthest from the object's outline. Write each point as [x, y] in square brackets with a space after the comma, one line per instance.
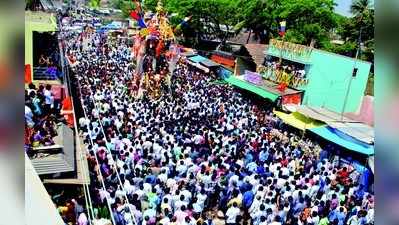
[343, 140]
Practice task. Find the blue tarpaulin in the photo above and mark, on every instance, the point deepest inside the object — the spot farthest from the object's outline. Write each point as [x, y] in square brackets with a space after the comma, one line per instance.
[343, 140]
[197, 59]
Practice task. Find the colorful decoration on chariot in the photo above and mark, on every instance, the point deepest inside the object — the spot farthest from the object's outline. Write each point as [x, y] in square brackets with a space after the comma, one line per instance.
[165, 29]
[140, 21]
[144, 32]
[136, 45]
[282, 28]
[280, 76]
[136, 15]
[160, 47]
[291, 49]
[159, 8]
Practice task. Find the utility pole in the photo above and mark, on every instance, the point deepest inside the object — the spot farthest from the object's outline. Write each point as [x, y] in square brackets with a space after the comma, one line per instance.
[353, 74]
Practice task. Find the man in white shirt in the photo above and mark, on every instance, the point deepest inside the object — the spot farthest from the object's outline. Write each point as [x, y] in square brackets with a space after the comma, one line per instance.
[48, 99]
[232, 214]
[29, 116]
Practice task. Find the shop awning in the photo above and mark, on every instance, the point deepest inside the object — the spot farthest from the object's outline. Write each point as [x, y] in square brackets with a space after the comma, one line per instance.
[234, 80]
[209, 63]
[354, 128]
[322, 114]
[298, 120]
[201, 62]
[360, 131]
[197, 59]
[343, 140]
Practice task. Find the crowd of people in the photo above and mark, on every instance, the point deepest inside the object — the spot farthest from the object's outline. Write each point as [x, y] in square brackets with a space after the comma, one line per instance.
[200, 153]
[42, 114]
[291, 69]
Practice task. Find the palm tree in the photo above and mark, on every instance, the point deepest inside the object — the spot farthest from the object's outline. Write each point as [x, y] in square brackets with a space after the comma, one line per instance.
[361, 8]
[363, 12]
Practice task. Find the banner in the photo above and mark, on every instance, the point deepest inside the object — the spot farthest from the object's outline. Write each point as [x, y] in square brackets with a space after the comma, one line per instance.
[28, 74]
[253, 77]
[294, 99]
[223, 60]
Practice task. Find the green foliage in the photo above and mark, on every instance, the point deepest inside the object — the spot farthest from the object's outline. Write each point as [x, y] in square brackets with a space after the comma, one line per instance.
[307, 21]
[348, 48]
[127, 7]
[361, 25]
[94, 3]
[117, 4]
[150, 5]
[311, 20]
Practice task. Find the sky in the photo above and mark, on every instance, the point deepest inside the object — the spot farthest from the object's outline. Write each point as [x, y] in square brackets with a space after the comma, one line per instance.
[343, 7]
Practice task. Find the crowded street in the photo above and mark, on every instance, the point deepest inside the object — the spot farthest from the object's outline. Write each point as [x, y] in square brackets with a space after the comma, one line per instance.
[168, 143]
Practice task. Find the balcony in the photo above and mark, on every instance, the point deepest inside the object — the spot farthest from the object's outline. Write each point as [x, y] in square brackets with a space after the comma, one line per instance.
[280, 76]
[44, 73]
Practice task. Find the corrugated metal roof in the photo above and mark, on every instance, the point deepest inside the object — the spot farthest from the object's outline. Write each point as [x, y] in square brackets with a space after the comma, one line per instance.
[257, 52]
[360, 131]
[322, 114]
[82, 168]
[353, 128]
[57, 158]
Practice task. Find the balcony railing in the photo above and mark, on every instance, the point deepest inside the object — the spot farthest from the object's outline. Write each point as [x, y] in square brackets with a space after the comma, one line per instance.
[44, 73]
[280, 76]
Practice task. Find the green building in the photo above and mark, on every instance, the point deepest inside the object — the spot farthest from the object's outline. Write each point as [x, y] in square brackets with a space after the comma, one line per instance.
[329, 79]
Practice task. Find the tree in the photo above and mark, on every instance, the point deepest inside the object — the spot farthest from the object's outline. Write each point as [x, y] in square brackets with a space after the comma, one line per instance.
[358, 30]
[361, 7]
[117, 4]
[94, 3]
[210, 19]
[127, 7]
[308, 21]
[150, 5]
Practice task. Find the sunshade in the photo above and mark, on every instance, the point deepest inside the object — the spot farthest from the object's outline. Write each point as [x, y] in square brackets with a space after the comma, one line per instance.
[197, 59]
[360, 131]
[251, 87]
[343, 140]
[322, 114]
[208, 63]
[298, 120]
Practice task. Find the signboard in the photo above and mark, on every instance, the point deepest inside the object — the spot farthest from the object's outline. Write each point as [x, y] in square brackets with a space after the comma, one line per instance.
[223, 60]
[294, 99]
[252, 77]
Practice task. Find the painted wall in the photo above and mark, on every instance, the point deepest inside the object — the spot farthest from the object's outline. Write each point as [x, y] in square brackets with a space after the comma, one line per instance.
[329, 77]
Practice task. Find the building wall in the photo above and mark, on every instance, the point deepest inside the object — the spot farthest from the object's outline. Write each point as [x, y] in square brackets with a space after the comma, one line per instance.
[329, 77]
[40, 22]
